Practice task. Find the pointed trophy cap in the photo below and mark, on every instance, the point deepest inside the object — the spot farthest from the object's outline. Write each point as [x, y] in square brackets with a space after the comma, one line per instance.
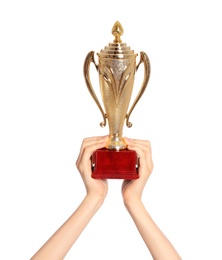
[117, 49]
[117, 31]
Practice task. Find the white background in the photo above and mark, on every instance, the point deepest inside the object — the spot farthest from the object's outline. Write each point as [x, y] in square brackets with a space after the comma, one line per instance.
[46, 111]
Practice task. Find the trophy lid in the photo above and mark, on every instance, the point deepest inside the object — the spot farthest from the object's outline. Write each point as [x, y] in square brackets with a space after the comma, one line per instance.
[117, 49]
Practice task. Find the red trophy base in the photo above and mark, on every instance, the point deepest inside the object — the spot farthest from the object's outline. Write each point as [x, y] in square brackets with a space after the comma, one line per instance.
[111, 164]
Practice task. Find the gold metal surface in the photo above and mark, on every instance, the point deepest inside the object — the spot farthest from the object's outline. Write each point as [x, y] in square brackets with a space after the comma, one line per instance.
[116, 68]
[88, 60]
[117, 31]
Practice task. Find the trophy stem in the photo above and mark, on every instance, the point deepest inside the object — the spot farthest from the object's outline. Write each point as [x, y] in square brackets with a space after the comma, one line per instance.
[116, 142]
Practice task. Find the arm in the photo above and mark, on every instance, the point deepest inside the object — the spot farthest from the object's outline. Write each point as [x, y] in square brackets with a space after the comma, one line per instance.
[157, 243]
[61, 241]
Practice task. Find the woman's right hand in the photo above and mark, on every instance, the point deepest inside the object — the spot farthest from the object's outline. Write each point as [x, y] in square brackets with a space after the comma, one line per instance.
[157, 243]
[83, 163]
[132, 190]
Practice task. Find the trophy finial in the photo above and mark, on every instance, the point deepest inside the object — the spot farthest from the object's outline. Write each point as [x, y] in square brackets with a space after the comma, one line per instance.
[117, 31]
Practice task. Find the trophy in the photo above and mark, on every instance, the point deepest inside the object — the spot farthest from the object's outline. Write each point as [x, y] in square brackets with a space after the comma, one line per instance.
[116, 68]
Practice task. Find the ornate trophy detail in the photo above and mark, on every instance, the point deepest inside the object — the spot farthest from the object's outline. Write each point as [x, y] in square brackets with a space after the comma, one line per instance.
[116, 67]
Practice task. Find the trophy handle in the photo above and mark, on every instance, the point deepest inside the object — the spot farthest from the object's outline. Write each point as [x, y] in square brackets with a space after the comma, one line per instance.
[90, 58]
[145, 60]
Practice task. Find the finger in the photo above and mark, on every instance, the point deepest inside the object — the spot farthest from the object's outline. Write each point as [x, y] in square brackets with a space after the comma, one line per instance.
[145, 143]
[142, 144]
[89, 141]
[87, 150]
[143, 149]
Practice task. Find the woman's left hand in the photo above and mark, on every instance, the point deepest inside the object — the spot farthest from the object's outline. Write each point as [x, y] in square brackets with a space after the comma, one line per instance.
[83, 163]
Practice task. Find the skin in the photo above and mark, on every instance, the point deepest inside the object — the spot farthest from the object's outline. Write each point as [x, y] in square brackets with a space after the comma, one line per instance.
[62, 240]
[157, 243]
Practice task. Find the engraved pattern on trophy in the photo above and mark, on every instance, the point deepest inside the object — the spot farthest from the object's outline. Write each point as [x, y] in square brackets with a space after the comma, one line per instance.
[117, 76]
[145, 60]
[116, 83]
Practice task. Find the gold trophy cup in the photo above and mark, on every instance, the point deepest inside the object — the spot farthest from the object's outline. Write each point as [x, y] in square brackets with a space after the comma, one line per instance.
[116, 67]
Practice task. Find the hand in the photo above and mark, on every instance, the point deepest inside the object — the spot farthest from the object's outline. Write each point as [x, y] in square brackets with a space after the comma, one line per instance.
[157, 243]
[83, 163]
[133, 189]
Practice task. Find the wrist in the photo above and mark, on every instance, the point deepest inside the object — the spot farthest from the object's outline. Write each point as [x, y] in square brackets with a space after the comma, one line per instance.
[96, 198]
[132, 202]
[97, 189]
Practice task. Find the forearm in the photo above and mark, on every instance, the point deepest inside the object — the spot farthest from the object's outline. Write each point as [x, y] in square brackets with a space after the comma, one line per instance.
[61, 241]
[158, 245]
